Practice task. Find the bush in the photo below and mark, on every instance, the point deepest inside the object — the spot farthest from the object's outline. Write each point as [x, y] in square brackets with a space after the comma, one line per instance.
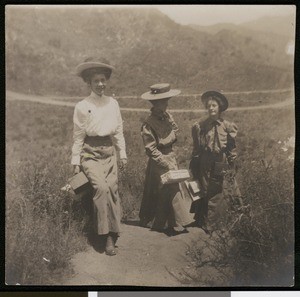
[257, 247]
[42, 223]
[43, 227]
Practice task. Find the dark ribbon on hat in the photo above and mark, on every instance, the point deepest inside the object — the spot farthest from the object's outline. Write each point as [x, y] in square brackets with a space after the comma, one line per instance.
[160, 90]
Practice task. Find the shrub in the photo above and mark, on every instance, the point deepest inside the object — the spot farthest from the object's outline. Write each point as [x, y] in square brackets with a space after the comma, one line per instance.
[42, 222]
[258, 244]
[43, 227]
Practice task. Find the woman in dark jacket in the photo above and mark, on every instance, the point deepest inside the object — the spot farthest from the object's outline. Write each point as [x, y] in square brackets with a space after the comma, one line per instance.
[213, 161]
[163, 207]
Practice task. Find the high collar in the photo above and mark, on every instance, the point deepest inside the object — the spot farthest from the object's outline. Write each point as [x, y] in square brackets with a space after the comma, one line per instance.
[96, 96]
[161, 115]
[98, 99]
[214, 122]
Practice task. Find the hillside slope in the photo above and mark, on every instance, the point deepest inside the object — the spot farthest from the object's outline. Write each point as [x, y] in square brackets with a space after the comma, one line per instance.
[279, 26]
[43, 47]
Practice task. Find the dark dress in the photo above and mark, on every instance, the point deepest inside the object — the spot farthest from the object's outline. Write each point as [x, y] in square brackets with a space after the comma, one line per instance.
[162, 206]
[214, 141]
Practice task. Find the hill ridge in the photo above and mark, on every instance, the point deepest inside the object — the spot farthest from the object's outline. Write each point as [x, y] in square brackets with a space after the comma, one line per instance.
[43, 47]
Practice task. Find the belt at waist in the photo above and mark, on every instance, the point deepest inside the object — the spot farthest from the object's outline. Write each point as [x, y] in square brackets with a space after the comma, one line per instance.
[98, 140]
[209, 150]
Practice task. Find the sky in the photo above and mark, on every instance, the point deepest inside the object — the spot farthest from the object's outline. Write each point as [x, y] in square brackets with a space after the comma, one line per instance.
[211, 14]
[201, 14]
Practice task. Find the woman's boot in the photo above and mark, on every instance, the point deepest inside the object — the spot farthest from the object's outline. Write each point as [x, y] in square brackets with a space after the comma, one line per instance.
[110, 246]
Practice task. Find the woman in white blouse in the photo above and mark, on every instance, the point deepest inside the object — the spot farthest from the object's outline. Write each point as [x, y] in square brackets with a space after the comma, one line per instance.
[98, 135]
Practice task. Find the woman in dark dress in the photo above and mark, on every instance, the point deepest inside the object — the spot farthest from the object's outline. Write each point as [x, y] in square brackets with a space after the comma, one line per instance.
[213, 162]
[163, 207]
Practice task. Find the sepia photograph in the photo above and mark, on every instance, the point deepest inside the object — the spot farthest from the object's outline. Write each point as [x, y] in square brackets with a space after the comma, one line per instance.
[150, 145]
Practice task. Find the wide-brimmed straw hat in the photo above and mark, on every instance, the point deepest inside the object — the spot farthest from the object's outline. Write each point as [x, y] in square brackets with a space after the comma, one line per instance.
[92, 63]
[217, 95]
[160, 91]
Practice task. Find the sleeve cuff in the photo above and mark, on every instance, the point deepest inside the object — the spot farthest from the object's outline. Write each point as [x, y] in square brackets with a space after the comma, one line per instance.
[162, 162]
[75, 160]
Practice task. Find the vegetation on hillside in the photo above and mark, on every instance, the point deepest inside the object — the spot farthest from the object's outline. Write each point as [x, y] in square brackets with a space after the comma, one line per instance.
[43, 47]
[45, 227]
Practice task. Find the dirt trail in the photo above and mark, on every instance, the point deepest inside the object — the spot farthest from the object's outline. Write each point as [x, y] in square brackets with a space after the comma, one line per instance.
[47, 100]
[145, 258]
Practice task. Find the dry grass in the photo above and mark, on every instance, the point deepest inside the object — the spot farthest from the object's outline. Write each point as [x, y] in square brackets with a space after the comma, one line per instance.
[42, 222]
[257, 247]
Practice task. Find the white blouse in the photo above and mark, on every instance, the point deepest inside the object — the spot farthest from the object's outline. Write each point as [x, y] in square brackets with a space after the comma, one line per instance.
[97, 116]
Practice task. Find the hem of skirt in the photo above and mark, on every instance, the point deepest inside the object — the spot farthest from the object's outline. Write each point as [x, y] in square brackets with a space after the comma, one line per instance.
[112, 231]
[187, 222]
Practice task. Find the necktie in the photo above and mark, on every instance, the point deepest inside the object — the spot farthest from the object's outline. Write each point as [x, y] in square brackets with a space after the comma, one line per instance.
[215, 145]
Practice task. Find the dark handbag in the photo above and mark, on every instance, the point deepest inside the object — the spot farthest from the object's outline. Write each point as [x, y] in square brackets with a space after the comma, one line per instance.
[79, 182]
[195, 167]
[220, 168]
[193, 188]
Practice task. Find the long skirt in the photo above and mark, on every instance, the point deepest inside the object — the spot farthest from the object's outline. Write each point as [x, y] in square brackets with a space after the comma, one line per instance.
[99, 163]
[163, 206]
[218, 194]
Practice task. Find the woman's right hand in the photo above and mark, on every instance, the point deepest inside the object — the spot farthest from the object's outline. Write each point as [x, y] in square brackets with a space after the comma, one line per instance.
[76, 169]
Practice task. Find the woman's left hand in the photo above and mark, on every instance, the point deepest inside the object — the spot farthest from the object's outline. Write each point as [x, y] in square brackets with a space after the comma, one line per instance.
[122, 163]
